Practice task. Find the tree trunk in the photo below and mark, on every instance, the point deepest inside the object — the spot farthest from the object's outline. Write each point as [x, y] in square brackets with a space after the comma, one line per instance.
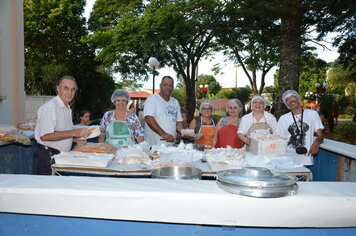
[291, 22]
[190, 102]
[254, 83]
[263, 78]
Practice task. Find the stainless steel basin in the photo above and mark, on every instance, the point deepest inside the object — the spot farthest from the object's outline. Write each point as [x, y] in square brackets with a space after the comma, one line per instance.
[176, 172]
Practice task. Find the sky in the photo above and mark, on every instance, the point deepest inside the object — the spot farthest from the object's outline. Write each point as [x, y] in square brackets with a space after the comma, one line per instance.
[230, 75]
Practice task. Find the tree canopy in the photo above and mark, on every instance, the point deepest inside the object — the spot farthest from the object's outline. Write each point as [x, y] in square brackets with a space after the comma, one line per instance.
[313, 71]
[256, 35]
[340, 16]
[178, 33]
[54, 30]
[213, 85]
[344, 79]
[251, 38]
[243, 94]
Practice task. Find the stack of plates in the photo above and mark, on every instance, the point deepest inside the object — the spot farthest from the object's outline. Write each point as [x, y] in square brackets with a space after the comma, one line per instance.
[257, 182]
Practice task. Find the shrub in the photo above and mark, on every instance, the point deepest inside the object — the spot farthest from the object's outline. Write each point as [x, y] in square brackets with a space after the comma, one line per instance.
[346, 132]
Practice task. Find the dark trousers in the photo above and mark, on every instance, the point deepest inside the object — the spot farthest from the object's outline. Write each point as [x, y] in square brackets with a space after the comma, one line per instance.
[42, 160]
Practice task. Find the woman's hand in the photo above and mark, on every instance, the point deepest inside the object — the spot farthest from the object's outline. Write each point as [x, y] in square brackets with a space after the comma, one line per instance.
[244, 139]
[140, 139]
[101, 138]
[80, 141]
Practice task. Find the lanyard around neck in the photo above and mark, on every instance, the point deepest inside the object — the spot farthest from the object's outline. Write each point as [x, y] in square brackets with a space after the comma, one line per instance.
[301, 125]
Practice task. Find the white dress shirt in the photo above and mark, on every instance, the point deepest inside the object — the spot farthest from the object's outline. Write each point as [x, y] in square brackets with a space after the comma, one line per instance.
[54, 116]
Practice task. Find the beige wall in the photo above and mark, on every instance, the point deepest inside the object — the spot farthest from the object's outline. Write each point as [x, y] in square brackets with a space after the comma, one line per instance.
[32, 103]
[12, 89]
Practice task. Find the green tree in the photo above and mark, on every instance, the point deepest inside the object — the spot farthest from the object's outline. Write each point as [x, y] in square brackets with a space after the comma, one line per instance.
[251, 38]
[52, 29]
[213, 85]
[271, 97]
[342, 78]
[178, 33]
[340, 16]
[53, 32]
[313, 71]
[243, 94]
[180, 95]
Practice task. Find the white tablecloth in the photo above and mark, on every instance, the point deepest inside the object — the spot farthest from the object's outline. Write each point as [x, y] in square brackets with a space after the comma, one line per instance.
[317, 204]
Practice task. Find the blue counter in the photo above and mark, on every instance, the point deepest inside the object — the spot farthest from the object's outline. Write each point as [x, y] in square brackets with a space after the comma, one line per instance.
[68, 205]
[36, 225]
[16, 158]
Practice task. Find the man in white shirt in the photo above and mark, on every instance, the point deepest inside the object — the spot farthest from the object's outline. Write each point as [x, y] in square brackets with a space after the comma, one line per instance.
[54, 131]
[298, 128]
[162, 115]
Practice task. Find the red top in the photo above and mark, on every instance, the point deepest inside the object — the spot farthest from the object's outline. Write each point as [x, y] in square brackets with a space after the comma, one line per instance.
[227, 136]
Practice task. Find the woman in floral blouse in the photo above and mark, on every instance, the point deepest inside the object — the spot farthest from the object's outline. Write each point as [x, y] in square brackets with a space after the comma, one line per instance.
[120, 127]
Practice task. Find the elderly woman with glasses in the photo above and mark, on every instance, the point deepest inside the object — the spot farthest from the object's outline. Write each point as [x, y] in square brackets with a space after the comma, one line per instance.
[204, 124]
[227, 127]
[258, 119]
[120, 127]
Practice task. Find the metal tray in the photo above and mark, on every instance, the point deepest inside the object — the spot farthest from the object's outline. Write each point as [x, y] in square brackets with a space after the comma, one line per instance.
[259, 192]
[256, 182]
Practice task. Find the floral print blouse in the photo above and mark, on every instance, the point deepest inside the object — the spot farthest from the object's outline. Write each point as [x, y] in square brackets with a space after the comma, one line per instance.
[132, 121]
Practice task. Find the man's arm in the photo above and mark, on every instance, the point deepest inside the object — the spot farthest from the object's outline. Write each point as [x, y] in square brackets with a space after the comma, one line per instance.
[179, 126]
[152, 123]
[59, 135]
[314, 148]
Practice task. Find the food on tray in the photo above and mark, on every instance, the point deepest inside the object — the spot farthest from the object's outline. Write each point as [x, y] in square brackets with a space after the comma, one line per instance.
[95, 148]
[154, 154]
[187, 132]
[13, 135]
[182, 155]
[26, 125]
[133, 161]
[266, 144]
[101, 160]
[158, 164]
[95, 131]
[225, 158]
[133, 155]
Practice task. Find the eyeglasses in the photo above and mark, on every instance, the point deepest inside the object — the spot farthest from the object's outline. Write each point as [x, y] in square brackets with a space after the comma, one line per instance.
[206, 109]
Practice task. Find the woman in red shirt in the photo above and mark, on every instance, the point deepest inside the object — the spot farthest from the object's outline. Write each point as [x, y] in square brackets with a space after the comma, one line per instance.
[227, 127]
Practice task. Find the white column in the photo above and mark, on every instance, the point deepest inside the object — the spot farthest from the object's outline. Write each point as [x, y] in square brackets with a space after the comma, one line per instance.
[12, 91]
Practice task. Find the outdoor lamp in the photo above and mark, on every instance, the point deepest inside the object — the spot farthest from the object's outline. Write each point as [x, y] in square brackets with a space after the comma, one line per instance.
[153, 63]
[203, 88]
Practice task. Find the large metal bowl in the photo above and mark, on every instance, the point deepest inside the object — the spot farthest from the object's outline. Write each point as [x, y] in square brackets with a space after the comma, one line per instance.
[176, 172]
[257, 182]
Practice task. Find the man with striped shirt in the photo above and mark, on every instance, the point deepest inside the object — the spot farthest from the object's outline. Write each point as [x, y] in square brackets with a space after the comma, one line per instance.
[54, 131]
